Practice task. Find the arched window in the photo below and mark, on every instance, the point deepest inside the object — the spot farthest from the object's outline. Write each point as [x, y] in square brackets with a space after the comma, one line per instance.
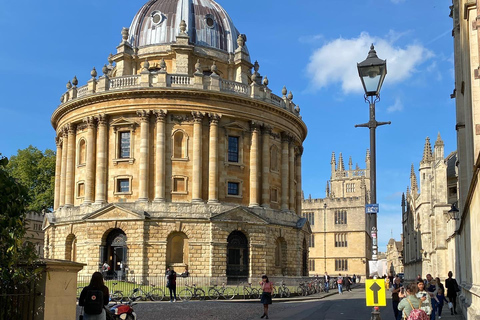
[71, 248]
[274, 159]
[180, 143]
[281, 255]
[177, 249]
[82, 152]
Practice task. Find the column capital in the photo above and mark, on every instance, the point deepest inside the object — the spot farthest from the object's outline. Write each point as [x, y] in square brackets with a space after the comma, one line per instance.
[197, 116]
[144, 115]
[90, 122]
[299, 151]
[70, 128]
[58, 141]
[255, 126]
[286, 137]
[160, 115]
[102, 119]
[214, 118]
[266, 129]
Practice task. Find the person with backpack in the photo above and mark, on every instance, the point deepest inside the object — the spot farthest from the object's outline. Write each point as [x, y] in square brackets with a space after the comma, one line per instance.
[93, 298]
[340, 283]
[410, 305]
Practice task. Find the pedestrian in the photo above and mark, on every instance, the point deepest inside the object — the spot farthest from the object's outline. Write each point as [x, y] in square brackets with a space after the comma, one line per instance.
[348, 282]
[340, 283]
[410, 302]
[172, 284]
[439, 284]
[431, 288]
[452, 289]
[424, 297]
[93, 298]
[441, 300]
[105, 269]
[354, 278]
[266, 299]
[327, 282]
[397, 287]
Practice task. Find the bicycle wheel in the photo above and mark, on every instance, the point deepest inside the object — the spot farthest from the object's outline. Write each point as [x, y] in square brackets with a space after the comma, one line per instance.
[274, 292]
[117, 296]
[286, 292]
[135, 295]
[255, 293]
[228, 293]
[157, 294]
[300, 290]
[200, 294]
[213, 294]
[186, 294]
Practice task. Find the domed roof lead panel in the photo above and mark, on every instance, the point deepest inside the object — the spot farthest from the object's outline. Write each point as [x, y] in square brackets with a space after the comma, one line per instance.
[208, 24]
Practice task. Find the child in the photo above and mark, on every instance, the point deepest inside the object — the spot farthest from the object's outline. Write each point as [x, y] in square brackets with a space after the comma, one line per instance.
[441, 299]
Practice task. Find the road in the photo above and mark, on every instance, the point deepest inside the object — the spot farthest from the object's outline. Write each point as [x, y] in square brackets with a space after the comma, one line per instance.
[348, 306]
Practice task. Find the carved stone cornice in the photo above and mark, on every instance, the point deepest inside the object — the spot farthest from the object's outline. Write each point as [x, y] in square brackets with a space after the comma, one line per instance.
[160, 115]
[214, 118]
[180, 118]
[90, 122]
[267, 129]
[287, 137]
[197, 116]
[102, 119]
[144, 115]
[298, 151]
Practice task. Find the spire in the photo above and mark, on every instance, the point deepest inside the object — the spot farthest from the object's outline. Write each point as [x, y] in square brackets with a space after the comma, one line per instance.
[439, 140]
[403, 199]
[341, 166]
[439, 148]
[427, 151]
[333, 163]
[367, 158]
[350, 163]
[413, 180]
[408, 191]
[327, 190]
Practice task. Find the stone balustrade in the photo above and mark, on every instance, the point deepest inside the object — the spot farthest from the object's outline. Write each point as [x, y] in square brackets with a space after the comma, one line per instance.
[180, 81]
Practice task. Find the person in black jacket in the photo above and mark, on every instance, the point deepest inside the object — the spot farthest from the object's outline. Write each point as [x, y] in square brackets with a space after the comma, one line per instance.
[452, 289]
[93, 297]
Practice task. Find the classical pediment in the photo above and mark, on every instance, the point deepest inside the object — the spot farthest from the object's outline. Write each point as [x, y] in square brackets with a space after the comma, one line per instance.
[235, 125]
[122, 122]
[115, 212]
[303, 224]
[239, 214]
[48, 219]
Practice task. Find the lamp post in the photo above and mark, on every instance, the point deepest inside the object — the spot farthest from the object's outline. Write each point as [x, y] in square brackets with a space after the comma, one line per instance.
[372, 72]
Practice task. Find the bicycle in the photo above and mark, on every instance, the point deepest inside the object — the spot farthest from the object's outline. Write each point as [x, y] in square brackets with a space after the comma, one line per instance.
[226, 292]
[117, 295]
[192, 292]
[250, 292]
[283, 291]
[302, 289]
[156, 294]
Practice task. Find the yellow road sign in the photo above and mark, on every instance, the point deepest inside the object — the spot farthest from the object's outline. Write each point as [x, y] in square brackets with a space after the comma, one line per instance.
[375, 293]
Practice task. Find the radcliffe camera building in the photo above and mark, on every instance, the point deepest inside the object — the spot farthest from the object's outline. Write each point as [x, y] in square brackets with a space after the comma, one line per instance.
[179, 155]
[340, 240]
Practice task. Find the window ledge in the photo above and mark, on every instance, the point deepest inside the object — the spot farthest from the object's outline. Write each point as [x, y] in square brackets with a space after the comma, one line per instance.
[122, 193]
[179, 192]
[180, 159]
[234, 164]
[129, 160]
[234, 196]
[81, 165]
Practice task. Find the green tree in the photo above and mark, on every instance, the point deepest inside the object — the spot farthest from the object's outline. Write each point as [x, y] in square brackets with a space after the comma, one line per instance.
[35, 170]
[17, 258]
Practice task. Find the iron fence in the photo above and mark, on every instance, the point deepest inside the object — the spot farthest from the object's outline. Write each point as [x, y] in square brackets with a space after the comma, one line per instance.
[18, 302]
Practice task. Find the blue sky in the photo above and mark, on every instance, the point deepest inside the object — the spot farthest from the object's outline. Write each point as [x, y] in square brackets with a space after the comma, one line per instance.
[309, 46]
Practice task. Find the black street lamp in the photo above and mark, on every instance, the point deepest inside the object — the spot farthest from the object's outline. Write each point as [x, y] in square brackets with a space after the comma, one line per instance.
[453, 213]
[372, 72]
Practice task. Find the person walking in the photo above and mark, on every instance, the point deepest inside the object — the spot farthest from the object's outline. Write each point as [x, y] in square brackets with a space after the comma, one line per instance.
[397, 288]
[452, 289]
[172, 284]
[327, 282]
[410, 302]
[431, 288]
[93, 298]
[354, 278]
[348, 282]
[340, 283]
[424, 297]
[266, 299]
[441, 300]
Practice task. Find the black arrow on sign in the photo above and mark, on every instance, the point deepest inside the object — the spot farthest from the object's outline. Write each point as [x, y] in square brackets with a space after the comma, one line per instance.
[375, 288]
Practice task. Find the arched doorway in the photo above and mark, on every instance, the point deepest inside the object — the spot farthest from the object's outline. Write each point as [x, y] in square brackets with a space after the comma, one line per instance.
[237, 257]
[304, 258]
[114, 252]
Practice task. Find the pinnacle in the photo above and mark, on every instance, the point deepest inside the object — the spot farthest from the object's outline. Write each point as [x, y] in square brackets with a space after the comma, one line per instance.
[427, 151]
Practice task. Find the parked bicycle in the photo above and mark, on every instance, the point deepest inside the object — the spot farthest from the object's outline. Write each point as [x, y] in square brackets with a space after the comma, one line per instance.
[192, 292]
[156, 294]
[249, 292]
[282, 290]
[116, 295]
[302, 289]
[224, 291]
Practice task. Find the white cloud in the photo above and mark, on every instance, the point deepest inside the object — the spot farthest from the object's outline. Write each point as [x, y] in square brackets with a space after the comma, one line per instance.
[397, 106]
[310, 38]
[336, 61]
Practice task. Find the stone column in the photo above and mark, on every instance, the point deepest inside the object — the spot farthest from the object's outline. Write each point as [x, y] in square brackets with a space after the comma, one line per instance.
[299, 180]
[266, 131]
[144, 155]
[213, 159]
[63, 173]
[58, 174]
[285, 175]
[102, 158]
[254, 166]
[70, 178]
[90, 165]
[291, 176]
[160, 157]
[197, 157]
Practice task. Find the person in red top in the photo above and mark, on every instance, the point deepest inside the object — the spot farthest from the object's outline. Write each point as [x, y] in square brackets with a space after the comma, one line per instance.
[267, 288]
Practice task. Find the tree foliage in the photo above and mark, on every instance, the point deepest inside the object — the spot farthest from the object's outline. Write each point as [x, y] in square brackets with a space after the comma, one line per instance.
[35, 170]
[17, 258]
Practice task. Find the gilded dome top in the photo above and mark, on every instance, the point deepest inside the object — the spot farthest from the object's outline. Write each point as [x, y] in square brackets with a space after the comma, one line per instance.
[208, 24]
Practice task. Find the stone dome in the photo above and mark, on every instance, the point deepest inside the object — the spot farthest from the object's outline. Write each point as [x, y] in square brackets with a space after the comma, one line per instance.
[208, 24]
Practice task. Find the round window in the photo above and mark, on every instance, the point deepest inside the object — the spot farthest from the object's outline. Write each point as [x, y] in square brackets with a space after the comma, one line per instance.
[157, 17]
[209, 20]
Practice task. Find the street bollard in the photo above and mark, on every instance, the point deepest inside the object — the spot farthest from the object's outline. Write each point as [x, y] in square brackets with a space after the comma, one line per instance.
[376, 314]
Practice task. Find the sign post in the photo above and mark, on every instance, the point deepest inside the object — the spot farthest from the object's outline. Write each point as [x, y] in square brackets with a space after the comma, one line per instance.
[375, 296]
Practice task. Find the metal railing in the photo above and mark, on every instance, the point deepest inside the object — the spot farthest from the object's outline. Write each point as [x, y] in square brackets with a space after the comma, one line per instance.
[19, 302]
